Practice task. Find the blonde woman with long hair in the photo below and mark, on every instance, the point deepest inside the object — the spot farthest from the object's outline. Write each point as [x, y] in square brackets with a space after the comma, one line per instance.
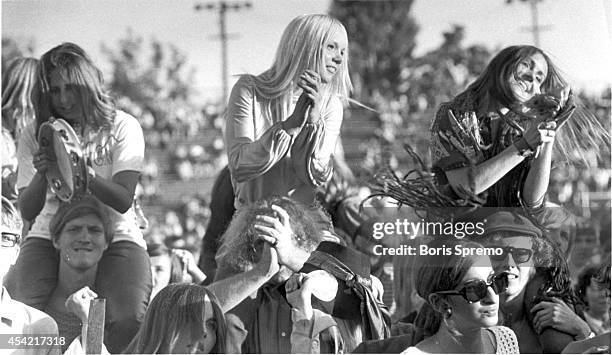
[17, 85]
[282, 125]
[17, 111]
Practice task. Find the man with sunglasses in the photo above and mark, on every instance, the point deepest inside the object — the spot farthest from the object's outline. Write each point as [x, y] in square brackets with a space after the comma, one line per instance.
[542, 323]
[23, 330]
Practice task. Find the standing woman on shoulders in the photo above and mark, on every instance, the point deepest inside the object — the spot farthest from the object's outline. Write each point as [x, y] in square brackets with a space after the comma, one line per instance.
[282, 125]
[70, 86]
[498, 135]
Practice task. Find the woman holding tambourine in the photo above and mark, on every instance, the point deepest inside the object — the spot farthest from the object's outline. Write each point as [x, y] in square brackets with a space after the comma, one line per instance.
[70, 87]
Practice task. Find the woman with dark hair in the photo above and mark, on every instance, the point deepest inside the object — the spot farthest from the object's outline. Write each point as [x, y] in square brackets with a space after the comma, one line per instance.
[498, 135]
[596, 299]
[462, 302]
[169, 266]
[71, 87]
[181, 319]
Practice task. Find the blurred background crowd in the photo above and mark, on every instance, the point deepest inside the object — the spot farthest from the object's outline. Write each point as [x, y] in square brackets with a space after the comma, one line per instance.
[397, 91]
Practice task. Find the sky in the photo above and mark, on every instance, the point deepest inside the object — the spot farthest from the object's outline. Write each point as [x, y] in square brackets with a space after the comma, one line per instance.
[577, 36]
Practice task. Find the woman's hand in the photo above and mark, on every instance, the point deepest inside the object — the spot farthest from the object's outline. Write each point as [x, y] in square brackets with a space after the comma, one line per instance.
[78, 303]
[42, 161]
[540, 133]
[310, 82]
[277, 231]
[190, 266]
[558, 315]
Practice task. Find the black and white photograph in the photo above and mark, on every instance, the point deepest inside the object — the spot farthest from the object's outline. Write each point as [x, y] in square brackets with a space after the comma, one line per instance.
[306, 176]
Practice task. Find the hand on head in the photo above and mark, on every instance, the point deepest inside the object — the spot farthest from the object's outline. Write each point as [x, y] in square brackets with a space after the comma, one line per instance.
[277, 232]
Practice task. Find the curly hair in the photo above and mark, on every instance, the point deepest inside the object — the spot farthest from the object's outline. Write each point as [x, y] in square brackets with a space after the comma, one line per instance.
[244, 246]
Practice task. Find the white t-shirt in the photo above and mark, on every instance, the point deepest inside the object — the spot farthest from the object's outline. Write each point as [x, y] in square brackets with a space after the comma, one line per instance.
[122, 149]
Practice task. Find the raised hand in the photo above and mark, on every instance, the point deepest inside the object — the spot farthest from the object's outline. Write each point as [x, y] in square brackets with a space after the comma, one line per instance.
[310, 82]
[277, 231]
[78, 303]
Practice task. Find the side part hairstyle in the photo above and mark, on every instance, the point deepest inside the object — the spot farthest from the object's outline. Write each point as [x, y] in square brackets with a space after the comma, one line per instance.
[301, 47]
[78, 208]
[174, 309]
[439, 272]
[244, 247]
[17, 88]
[87, 81]
[582, 132]
[176, 266]
[10, 217]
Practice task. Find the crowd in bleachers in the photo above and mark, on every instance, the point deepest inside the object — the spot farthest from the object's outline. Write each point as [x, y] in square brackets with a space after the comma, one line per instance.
[280, 256]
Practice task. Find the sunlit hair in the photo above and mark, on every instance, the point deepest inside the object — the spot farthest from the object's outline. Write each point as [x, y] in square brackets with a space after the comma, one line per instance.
[582, 132]
[173, 310]
[440, 272]
[77, 208]
[17, 86]
[243, 244]
[80, 71]
[10, 217]
[301, 47]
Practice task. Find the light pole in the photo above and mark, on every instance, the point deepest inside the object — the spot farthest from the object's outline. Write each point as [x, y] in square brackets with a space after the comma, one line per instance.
[222, 7]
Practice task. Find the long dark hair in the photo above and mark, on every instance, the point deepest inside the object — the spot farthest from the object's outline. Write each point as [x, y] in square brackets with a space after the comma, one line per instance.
[582, 132]
[170, 311]
[439, 272]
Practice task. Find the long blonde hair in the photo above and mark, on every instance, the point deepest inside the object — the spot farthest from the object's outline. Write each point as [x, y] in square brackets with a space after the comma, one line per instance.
[17, 85]
[301, 47]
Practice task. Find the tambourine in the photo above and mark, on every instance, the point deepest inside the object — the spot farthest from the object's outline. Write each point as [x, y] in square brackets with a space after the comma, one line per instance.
[68, 177]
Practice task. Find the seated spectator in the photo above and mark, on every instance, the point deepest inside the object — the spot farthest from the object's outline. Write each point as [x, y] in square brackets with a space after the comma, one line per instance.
[15, 317]
[172, 266]
[182, 319]
[596, 300]
[80, 232]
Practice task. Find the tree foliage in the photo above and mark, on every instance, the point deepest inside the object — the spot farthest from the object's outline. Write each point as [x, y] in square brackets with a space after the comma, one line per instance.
[381, 39]
[153, 78]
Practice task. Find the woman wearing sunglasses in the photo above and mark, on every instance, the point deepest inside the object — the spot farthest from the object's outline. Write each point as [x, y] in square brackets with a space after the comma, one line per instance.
[462, 303]
[539, 304]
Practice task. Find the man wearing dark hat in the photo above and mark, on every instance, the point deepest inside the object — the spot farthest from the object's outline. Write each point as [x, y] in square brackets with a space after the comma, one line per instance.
[538, 303]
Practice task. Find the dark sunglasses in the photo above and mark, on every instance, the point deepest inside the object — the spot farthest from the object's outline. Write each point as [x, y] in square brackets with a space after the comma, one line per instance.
[520, 255]
[476, 290]
[9, 240]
